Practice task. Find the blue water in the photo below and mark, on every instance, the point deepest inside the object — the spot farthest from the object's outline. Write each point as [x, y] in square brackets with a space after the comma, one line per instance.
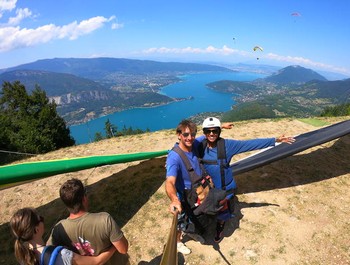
[168, 116]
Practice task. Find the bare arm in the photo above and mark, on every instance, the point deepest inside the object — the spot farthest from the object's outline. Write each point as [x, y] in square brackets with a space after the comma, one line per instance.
[285, 139]
[175, 204]
[122, 245]
[227, 125]
[93, 260]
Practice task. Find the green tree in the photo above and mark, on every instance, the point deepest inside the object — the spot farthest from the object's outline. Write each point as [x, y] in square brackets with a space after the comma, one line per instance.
[335, 111]
[110, 129]
[248, 111]
[30, 123]
[98, 137]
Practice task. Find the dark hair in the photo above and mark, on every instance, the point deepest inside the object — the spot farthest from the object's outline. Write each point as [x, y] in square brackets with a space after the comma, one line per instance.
[72, 193]
[186, 124]
[23, 224]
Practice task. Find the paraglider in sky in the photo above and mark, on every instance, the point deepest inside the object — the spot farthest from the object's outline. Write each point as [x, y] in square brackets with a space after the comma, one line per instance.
[234, 39]
[295, 15]
[256, 48]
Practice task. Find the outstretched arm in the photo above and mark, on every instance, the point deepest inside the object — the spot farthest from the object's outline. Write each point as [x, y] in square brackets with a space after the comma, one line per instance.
[175, 204]
[284, 139]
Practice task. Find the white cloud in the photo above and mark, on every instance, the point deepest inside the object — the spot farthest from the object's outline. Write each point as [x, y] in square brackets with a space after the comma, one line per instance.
[226, 51]
[7, 5]
[20, 15]
[15, 37]
[117, 26]
[306, 62]
[74, 30]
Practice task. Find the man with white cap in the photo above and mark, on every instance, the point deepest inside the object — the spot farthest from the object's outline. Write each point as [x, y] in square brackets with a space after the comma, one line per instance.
[216, 154]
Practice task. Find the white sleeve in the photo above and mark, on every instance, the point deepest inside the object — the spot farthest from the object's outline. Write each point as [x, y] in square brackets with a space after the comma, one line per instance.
[65, 257]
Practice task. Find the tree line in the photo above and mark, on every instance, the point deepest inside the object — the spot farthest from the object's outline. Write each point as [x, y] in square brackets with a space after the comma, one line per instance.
[111, 131]
[29, 123]
[335, 111]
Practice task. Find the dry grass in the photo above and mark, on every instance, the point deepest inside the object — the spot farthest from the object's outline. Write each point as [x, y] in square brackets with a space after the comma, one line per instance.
[293, 211]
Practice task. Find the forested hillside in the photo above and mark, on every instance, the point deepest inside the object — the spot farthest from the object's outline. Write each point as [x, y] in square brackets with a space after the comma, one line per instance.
[85, 89]
[302, 93]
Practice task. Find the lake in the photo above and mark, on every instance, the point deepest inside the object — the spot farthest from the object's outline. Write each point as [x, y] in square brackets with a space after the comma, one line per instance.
[168, 116]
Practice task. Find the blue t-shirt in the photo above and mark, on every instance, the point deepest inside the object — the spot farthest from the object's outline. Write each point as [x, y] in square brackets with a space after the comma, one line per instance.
[176, 167]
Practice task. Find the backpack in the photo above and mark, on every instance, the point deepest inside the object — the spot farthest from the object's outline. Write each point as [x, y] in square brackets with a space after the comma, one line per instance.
[221, 158]
[203, 197]
[49, 255]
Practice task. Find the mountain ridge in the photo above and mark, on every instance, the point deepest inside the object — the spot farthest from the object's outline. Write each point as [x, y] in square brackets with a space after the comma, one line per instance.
[101, 68]
[294, 74]
[88, 88]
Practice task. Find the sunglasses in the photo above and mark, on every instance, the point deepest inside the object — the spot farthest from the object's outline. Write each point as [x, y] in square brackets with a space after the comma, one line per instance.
[214, 131]
[188, 134]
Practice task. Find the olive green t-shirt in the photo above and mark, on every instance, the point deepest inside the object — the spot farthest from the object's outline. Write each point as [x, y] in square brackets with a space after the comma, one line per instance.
[89, 235]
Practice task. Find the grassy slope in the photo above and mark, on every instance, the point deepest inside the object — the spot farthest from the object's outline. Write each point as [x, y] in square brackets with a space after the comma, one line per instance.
[293, 211]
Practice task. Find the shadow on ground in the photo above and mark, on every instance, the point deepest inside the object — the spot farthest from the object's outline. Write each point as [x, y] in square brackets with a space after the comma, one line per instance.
[319, 164]
[121, 194]
[124, 193]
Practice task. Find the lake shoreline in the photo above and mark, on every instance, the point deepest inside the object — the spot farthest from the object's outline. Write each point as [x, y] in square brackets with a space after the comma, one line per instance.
[200, 99]
[130, 108]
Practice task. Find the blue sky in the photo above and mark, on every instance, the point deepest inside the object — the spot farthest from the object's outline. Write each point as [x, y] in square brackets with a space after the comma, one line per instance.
[222, 31]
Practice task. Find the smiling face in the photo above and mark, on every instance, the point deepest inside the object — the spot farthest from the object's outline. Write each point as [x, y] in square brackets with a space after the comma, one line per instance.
[212, 134]
[186, 138]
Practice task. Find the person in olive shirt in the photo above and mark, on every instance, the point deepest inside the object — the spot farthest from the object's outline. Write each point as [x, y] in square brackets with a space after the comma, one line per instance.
[84, 232]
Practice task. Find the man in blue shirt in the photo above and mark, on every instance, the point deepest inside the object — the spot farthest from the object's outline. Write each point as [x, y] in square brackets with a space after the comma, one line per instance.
[178, 180]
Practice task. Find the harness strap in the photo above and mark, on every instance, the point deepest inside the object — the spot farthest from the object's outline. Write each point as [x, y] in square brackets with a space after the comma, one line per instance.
[193, 175]
[221, 156]
[209, 162]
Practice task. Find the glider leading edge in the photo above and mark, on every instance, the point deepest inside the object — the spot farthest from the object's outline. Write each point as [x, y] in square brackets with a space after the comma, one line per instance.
[302, 142]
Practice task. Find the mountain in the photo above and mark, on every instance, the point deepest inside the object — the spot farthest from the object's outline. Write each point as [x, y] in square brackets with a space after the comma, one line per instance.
[89, 88]
[338, 90]
[256, 68]
[294, 74]
[103, 68]
[54, 84]
[331, 76]
[293, 91]
[79, 99]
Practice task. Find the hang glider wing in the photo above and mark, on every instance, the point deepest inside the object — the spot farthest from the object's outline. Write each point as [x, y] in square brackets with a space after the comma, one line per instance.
[34, 170]
[303, 142]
